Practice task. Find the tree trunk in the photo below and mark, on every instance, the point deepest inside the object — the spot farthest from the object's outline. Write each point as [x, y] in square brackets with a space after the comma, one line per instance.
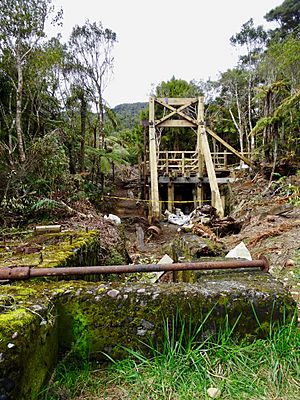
[268, 129]
[94, 166]
[250, 116]
[19, 109]
[101, 123]
[240, 131]
[83, 115]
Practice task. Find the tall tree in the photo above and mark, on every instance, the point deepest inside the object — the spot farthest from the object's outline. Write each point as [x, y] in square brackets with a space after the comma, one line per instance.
[21, 28]
[288, 17]
[177, 88]
[279, 95]
[91, 50]
[253, 39]
[233, 85]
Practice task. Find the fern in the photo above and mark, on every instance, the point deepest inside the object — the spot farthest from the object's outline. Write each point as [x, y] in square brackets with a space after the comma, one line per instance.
[46, 204]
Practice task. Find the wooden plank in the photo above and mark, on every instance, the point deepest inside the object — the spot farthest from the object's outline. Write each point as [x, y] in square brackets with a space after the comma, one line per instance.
[176, 123]
[154, 203]
[171, 152]
[199, 151]
[215, 193]
[187, 117]
[166, 117]
[225, 144]
[174, 101]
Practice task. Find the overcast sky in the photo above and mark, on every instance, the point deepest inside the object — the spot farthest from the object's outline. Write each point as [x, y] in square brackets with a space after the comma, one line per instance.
[161, 38]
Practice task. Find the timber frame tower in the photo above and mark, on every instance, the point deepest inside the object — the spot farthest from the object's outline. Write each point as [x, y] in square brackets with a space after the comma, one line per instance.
[197, 166]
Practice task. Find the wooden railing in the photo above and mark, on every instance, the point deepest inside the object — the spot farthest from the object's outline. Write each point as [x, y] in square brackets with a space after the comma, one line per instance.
[186, 162]
[181, 162]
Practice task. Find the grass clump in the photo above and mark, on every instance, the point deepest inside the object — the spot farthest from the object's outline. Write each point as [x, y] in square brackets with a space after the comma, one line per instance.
[186, 366]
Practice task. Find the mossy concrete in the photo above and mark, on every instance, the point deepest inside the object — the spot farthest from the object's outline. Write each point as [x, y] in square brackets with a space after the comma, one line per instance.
[28, 341]
[192, 247]
[64, 249]
[95, 319]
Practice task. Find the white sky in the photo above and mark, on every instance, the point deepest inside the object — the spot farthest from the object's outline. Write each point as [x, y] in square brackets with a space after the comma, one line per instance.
[161, 38]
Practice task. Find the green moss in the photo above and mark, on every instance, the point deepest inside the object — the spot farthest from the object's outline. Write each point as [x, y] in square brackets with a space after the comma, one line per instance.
[68, 249]
[28, 351]
[13, 321]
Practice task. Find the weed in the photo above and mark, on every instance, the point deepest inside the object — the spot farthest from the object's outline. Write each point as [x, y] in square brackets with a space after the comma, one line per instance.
[187, 364]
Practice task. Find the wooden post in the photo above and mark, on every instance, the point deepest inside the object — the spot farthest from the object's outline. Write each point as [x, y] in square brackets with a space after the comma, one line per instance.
[170, 196]
[200, 119]
[154, 199]
[199, 147]
[199, 194]
[182, 163]
[167, 162]
[203, 142]
[225, 159]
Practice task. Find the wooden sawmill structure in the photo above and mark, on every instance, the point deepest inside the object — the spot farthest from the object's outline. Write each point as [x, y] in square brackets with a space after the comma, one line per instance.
[173, 171]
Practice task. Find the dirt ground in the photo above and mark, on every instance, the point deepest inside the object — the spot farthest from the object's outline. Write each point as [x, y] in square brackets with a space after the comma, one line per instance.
[269, 218]
[269, 224]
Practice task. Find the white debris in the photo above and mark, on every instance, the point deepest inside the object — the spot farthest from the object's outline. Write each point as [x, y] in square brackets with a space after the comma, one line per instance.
[166, 259]
[213, 393]
[178, 219]
[240, 251]
[242, 166]
[113, 218]
[202, 214]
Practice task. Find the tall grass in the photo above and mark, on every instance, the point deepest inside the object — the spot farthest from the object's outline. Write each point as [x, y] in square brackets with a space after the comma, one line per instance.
[184, 367]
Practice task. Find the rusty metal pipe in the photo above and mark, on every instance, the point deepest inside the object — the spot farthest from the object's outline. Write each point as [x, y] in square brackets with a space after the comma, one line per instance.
[19, 273]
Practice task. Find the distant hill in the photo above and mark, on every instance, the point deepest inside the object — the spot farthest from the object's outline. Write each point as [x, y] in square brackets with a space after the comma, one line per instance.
[129, 113]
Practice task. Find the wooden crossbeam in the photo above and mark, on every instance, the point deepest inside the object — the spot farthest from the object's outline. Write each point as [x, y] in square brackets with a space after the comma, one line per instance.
[178, 111]
[225, 144]
[166, 117]
[177, 123]
[177, 101]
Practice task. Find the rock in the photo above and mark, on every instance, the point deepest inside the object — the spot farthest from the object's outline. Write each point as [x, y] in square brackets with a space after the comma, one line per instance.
[141, 331]
[147, 324]
[213, 393]
[289, 263]
[194, 246]
[113, 293]
[8, 384]
[271, 218]
[140, 237]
